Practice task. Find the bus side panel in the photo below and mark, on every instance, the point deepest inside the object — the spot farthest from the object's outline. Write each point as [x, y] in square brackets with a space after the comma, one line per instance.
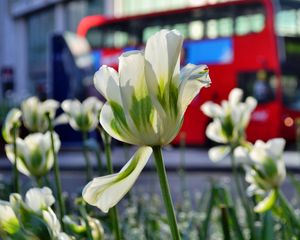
[265, 122]
[255, 52]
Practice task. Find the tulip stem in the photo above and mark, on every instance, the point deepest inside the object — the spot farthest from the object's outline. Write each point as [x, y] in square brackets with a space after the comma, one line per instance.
[56, 175]
[16, 173]
[89, 169]
[39, 182]
[242, 197]
[113, 212]
[85, 216]
[161, 171]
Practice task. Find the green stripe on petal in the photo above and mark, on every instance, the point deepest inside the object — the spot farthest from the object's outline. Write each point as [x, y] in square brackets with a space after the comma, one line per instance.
[141, 112]
[114, 123]
[105, 192]
[119, 115]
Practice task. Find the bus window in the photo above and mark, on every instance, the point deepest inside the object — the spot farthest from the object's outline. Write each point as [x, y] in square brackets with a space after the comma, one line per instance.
[261, 85]
[95, 37]
[225, 27]
[286, 23]
[212, 28]
[121, 39]
[149, 31]
[196, 30]
[182, 28]
[242, 25]
[257, 22]
[291, 91]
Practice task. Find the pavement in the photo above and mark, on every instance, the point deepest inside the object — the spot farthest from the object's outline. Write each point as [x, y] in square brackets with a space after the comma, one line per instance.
[190, 159]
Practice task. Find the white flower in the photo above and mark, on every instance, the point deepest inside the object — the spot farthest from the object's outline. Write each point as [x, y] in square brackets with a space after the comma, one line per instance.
[265, 171]
[63, 236]
[34, 113]
[52, 221]
[38, 199]
[230, 120]
[12, 119]
[34, 153]
[9, 222]
[38, 202]
[82, 116]
[145, 105]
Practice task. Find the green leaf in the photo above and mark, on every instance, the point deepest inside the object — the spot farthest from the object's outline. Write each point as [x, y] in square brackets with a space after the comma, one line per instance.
[225, 222]
[267, 203]
[34, 224]
[268, 227]
[211, 204]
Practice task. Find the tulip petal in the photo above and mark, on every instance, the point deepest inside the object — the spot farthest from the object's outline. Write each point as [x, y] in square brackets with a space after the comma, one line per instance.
[267, 203]
[241, 155]
[91, 104]
[258, 154]
[38, 199]
[106, 81]
[50, 106]
[51, 219]
[215, 133]
[218, 153]
[22, 154]
[8, 220]
[134, 93]
[61, 119]
[105, 192]
[276, 146]
[163, 51]
[113, 120]
[235, 96]
[211, 109]
[13, 117]
[162, 70]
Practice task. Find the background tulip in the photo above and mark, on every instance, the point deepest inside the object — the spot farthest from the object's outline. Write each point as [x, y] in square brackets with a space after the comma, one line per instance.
[82, 116]
[265, 169]
[12, 120]
[34, 113]
[34, 154]
[230, 120]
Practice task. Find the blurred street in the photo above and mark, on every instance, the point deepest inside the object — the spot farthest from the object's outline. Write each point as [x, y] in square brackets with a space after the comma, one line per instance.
[199, 170]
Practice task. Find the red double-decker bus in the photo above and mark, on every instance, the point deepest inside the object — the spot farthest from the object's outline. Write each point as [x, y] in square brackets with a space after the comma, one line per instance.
[250, 44]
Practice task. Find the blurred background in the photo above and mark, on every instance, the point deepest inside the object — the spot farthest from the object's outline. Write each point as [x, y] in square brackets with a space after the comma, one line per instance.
[51, 48]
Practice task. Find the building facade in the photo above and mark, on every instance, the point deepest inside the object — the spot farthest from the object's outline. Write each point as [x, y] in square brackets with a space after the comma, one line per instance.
[24, 43]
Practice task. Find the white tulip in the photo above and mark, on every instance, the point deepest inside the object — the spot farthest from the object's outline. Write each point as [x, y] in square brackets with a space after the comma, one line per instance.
[230, 120]
[34, 113]
[146, 101]
[265, 170]
[34, 153]
[82, 116]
